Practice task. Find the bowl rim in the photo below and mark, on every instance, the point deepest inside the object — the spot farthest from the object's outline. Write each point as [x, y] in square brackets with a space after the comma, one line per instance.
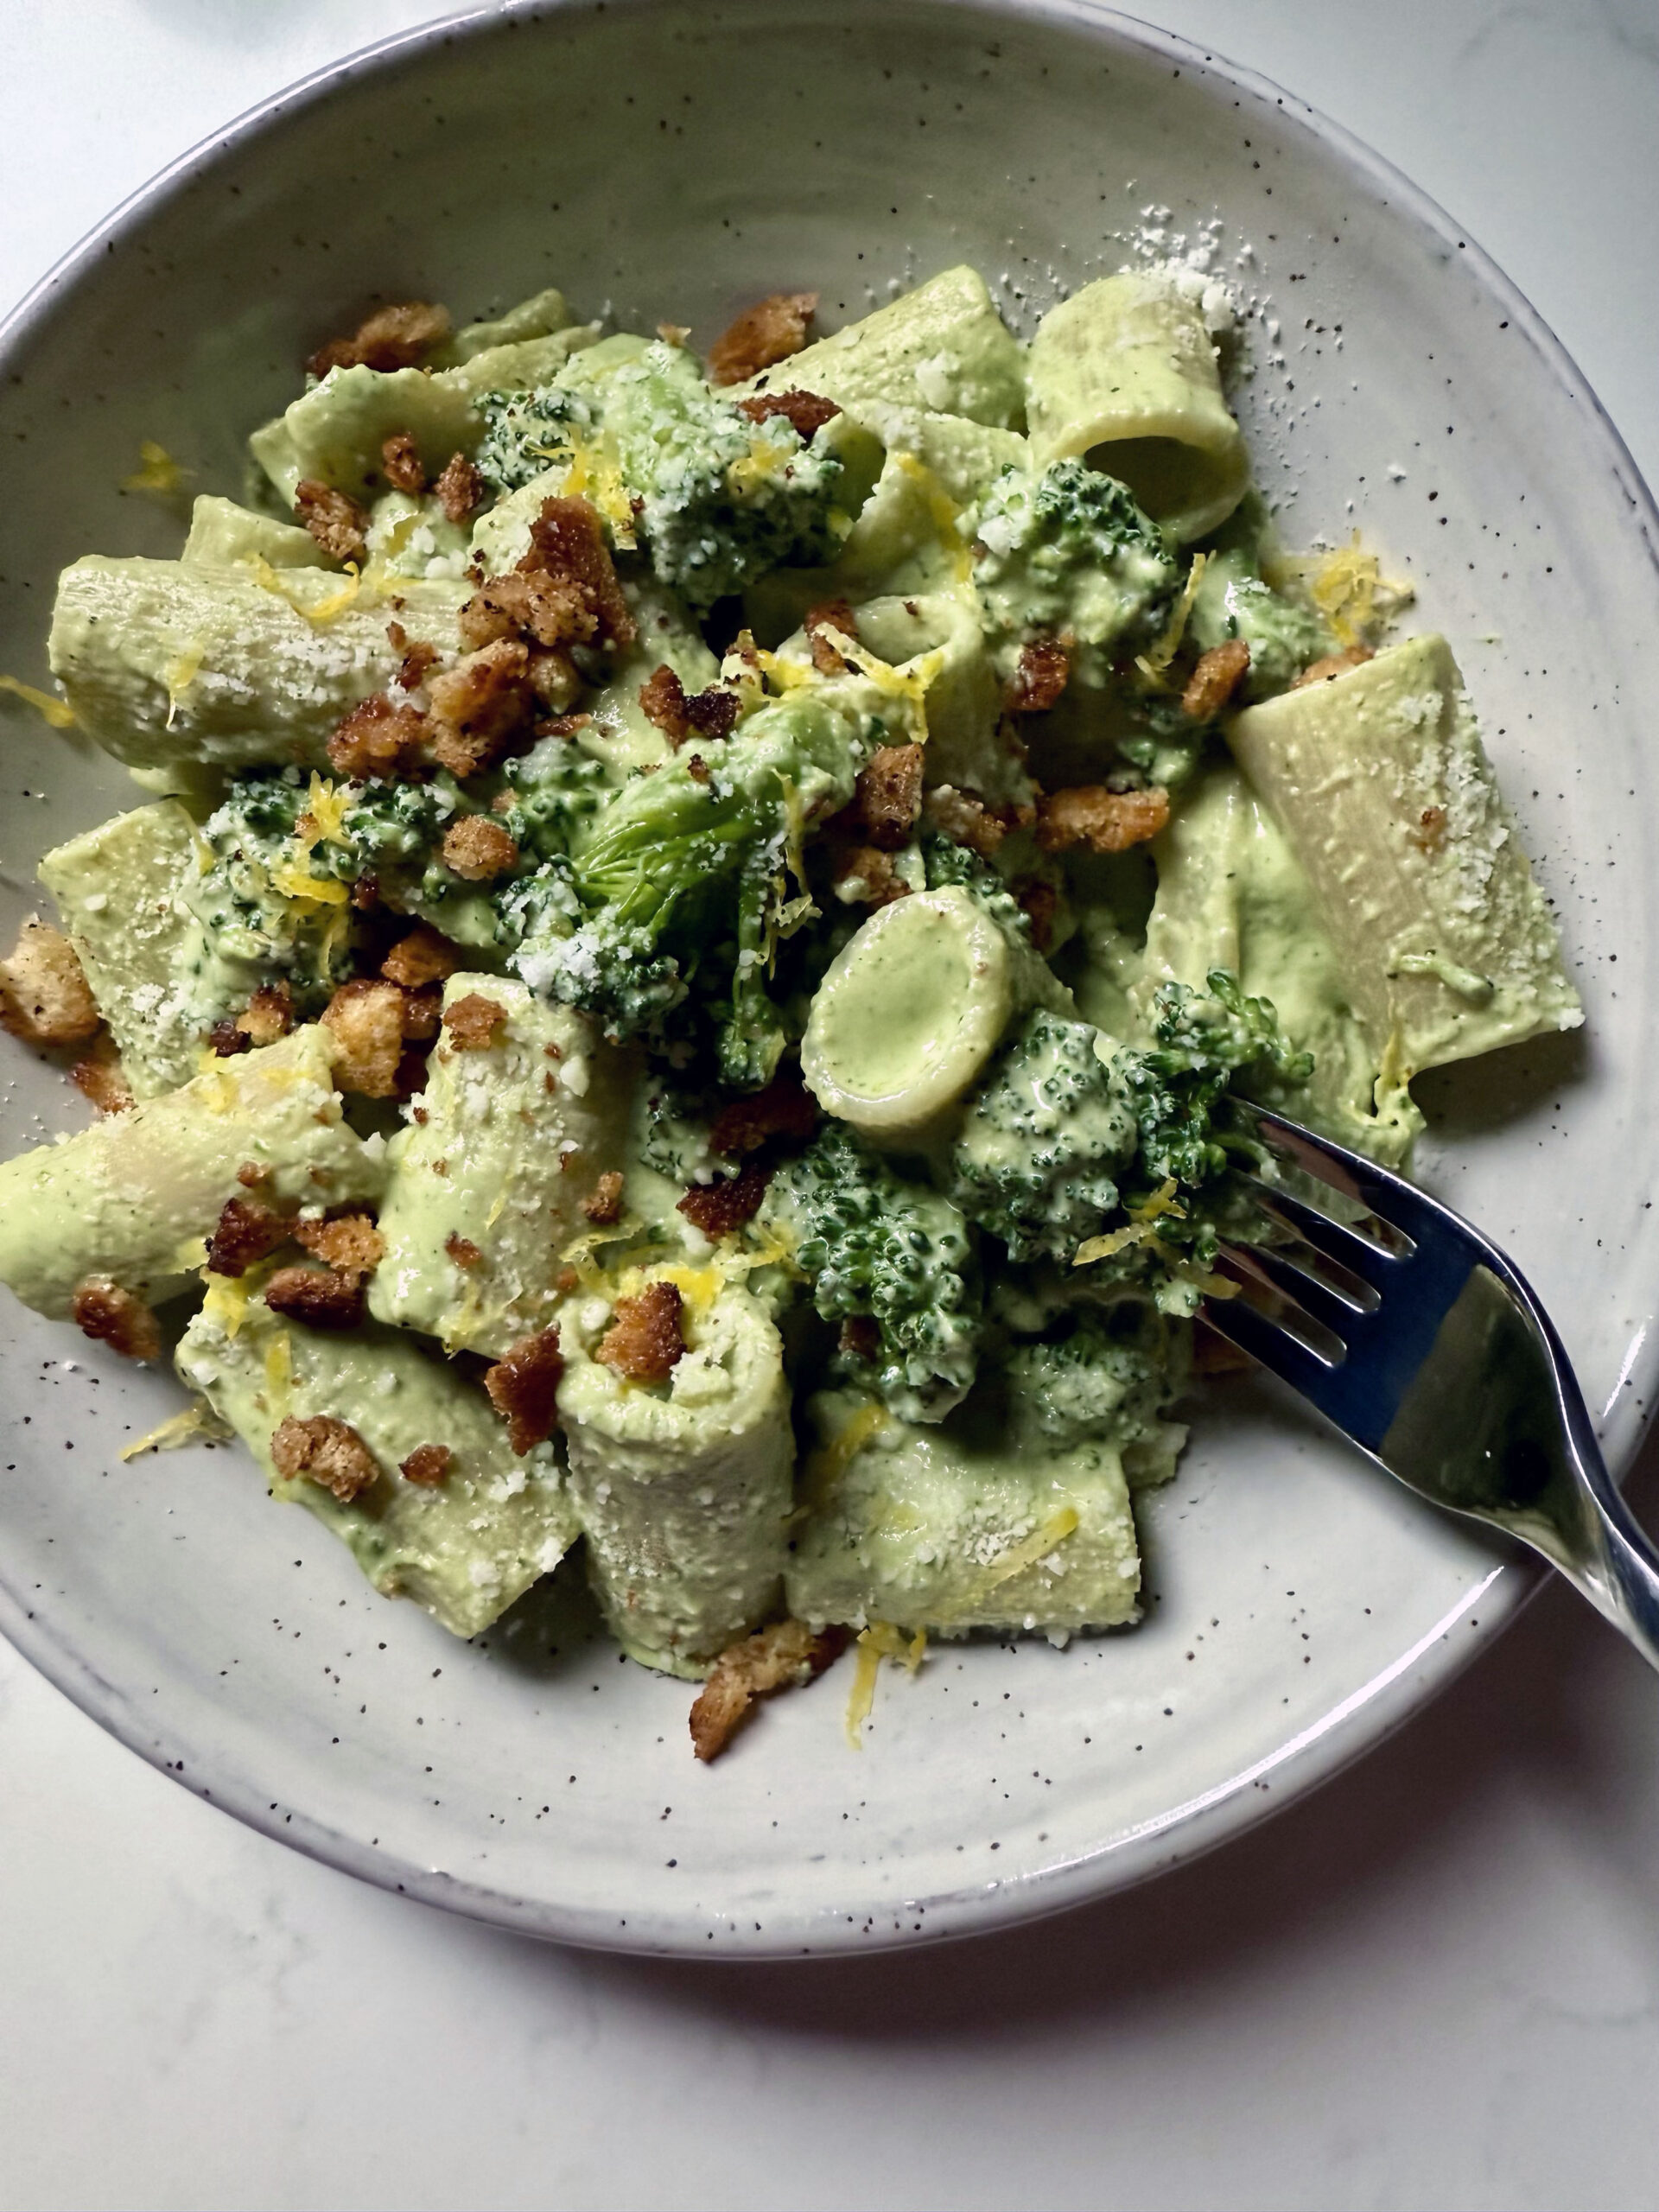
[1316, 1754]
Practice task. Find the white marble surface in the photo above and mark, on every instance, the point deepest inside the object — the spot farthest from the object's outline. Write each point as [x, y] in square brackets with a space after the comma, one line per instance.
[1433, 1985]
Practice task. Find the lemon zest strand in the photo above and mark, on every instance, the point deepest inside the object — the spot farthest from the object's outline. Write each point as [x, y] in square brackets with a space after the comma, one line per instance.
[58, 712]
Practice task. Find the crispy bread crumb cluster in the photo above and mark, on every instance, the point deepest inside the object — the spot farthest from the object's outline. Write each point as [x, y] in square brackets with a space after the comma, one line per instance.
[44, 996]
[646, 1339]
[103, 1310]
[784, 1655]
[324, 1451]
[761, 336]
[1106, 821]
[524, 1388]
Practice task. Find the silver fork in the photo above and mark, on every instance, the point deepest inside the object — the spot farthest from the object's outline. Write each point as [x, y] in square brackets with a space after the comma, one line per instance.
[1423, 1345]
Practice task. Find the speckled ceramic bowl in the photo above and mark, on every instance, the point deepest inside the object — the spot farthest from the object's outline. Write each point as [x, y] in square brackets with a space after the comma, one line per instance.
[674, 162]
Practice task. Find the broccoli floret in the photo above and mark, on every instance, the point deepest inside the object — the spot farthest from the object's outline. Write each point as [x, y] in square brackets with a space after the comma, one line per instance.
[1233, 599]
[1178, 1197]
[752, 1032]
[1110, 1378]
[1070, 553]
[270, 843]
[724, 499]
[947, 863]
[597, 964]
[254, 923]
[556, 790]
[688, 865]
[672, 1123]
[526, 432]
[879, 1249]
[1205, 1040]
[1043, 1140]
[719, 499]
[1282, 636]
[1162, 740]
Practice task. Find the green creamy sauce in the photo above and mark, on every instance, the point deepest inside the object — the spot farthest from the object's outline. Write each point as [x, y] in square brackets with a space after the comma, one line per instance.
[908, 1014]
[1024, 1054]
[1233, 599]
[913, 989]
[1286, 954]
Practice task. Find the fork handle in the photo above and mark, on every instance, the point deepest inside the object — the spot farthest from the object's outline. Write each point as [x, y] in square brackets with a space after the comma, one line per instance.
[1620, 1574]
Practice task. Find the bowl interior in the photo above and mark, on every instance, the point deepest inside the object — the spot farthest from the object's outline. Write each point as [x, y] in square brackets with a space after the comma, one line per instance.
[671, 163]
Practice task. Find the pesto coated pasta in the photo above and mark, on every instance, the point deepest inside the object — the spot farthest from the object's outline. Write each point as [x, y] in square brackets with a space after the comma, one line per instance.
[676, 996]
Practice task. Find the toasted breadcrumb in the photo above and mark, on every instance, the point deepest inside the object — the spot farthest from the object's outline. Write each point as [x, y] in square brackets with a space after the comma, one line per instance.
[499, 608]
[524, 1388]
[645, 1339]
[463, 1250]
[401, 464]
[324, 1451]
[246, 1230]
[712, 713]
[604, 1205]
[725, 1205]
[964, 818]
[416, 664]
[101, 1078]
[867, 876]
[565, 726]
[471, 1023]
[427, 1465]
[769, 331]
[350, 1243]
[481, 707]
[477, 849]
[103, 1310]
[831, 615]
[785, 1108]
[44, 996]
[1105, 821]
[365, 1020]
[1333, 665]
[533, 604]
[1216, 675]
[1040, 677]
[425, 956]
[318, 1297]
[661, 700]
[807, 412]
[459, 487]
[787, 1654]
[567, 543]
[268, 1015]
[422, 1010]
[376, 739]
[665, 702]
[396, 337]
[888, 795]
[336, 522]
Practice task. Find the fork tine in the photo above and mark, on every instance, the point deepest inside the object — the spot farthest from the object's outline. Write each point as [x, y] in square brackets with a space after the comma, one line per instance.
[1394, 1202]
[1281, 1304]
[1243, 1325]
[1347, 1244]
[1320, 1285]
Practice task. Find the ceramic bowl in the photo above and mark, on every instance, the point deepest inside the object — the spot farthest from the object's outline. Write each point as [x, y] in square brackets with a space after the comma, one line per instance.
[673, 163]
